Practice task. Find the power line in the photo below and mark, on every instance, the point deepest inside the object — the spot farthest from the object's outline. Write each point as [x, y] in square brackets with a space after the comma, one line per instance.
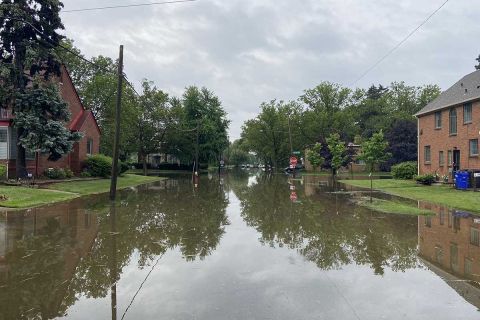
[398, 44]
[127, 6]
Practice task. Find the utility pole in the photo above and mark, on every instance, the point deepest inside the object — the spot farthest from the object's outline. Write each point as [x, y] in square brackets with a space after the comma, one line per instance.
[290, 135]
[116, 143]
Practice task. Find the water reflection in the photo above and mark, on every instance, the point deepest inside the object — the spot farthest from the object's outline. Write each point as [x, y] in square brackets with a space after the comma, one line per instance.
[326, 228]
[86, 254]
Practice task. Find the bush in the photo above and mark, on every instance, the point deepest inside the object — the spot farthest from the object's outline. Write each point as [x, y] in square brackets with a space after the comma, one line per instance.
[99, 165]
[85, 174]
[405, 170]
[55, 173]
[3, 172]
[426, 179]
[123, 167]
[69, 173]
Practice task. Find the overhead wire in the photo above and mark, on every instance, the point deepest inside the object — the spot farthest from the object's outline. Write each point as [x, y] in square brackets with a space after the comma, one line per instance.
[127, 6]
[398, 44]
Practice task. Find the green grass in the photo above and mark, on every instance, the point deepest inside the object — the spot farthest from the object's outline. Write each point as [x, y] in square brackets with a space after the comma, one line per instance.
[444, 195]
[347, 174]
[103, 185]
[386, 206]
[21, 197]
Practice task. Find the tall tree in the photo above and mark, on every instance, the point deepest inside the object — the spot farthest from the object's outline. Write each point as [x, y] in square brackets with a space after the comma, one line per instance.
[477, 67]
[28, 33]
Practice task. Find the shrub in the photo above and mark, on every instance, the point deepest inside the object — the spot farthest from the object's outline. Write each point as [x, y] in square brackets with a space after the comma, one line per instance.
[85, 174]
[3, 172]
[404, 170]
[426, 179]
[69, 173]
[99, 165]
[55, 173]
[123, 167]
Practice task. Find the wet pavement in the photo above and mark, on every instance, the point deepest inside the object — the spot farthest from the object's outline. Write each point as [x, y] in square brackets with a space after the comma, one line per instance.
[237, 246]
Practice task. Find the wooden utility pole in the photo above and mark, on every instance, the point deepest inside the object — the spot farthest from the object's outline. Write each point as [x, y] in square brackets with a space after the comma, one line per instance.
[116, 142]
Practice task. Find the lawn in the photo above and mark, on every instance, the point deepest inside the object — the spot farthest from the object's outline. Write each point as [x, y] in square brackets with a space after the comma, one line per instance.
[103, 185]
[445, 195]
[21, 197]
[386, 206]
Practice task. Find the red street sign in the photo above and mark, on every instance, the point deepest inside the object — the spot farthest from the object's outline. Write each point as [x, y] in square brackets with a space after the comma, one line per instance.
[293, 196]
[293, 161]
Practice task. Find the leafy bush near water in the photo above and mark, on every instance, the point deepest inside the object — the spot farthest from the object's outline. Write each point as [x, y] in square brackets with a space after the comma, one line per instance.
[100, 165]
[58, 173]
[3, 172]
[405, 170]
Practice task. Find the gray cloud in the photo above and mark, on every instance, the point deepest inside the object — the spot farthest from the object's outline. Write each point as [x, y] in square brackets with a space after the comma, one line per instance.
[250, 51]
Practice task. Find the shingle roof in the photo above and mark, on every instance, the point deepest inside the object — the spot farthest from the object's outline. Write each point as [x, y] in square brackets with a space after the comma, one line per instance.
[466, 89]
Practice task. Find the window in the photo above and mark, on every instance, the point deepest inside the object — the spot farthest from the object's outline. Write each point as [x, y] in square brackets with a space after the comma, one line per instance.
[438, 120]
[450, 157]
[473, 147]
[427, 154]
[454, 257]
[4, 143]
[89, 146]
[441, 159]
[468, 266]
[453, 121]
[475, 237]
[428, 221]
[467, 113]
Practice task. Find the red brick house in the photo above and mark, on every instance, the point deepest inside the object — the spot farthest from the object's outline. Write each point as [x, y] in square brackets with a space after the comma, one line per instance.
[82, 120]
[449, 129]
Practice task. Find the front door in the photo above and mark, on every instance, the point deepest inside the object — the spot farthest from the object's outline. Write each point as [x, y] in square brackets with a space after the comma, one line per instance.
[456, 160]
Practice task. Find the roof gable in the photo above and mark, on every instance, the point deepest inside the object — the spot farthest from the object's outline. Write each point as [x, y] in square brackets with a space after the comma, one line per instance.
[465, 90]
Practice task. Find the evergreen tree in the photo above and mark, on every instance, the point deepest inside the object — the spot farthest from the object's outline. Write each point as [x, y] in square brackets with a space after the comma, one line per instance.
[28, 35]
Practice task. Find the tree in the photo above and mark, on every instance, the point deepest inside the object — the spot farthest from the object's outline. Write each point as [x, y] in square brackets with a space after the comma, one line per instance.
[338, 150]
[402, 142]
[477, 67]
[28, 35]
[152, 121]
[42, 114]
[313, 156]
[374, 152]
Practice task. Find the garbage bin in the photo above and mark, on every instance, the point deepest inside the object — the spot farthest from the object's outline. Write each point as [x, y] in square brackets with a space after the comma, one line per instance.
[462, 180]
[474, 182]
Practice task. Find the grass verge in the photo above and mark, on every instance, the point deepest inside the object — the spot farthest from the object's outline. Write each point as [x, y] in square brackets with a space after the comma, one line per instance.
[444, 195]
[21, 197]
[103, 185]
[386, 206]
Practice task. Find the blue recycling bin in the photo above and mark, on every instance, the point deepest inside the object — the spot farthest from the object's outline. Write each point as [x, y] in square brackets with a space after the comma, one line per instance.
[462, 180]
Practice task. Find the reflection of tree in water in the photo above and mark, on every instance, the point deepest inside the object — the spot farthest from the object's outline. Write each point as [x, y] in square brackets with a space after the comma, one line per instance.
[330, 240]
[35, 286]
[147, 222]
[150, 223]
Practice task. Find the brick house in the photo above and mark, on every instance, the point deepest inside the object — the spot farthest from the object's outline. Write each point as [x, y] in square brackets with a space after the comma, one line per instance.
[82, 120]
[449, 129]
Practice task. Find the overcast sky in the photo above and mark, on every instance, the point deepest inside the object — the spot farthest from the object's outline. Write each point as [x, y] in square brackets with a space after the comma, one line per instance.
[250, 51]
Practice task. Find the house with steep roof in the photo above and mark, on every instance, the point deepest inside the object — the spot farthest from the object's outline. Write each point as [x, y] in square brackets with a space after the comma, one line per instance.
[82, 120]
[449, 129]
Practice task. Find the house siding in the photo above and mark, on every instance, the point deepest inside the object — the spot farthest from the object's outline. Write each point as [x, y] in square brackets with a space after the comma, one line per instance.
[441, 140]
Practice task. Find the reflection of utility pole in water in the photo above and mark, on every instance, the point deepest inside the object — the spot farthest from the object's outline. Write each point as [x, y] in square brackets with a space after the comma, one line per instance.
[113, 260]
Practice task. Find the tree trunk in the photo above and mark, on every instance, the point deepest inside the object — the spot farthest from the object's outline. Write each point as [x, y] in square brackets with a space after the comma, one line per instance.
[19, 85]
[144, 161]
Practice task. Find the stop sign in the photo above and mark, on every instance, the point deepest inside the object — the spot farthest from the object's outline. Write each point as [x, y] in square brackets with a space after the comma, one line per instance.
[293, 196]
[293, 161]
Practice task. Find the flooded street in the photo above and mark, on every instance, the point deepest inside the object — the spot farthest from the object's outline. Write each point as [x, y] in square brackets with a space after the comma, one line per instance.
[239, 246]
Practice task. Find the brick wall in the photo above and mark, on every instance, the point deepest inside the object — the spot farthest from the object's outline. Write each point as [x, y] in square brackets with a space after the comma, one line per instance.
[441, 140]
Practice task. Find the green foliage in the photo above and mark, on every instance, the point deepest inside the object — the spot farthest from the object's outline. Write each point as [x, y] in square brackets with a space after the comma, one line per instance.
[313, 156]
[99, 165]
[426, 179]
[41, 113]
[337, 149]
[3, 172]
[374, 150]
[123, 167]
[405, 170]
[55, 173]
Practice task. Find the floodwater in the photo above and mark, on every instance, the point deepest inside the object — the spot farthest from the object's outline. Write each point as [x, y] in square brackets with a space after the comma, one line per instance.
[238, 246]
